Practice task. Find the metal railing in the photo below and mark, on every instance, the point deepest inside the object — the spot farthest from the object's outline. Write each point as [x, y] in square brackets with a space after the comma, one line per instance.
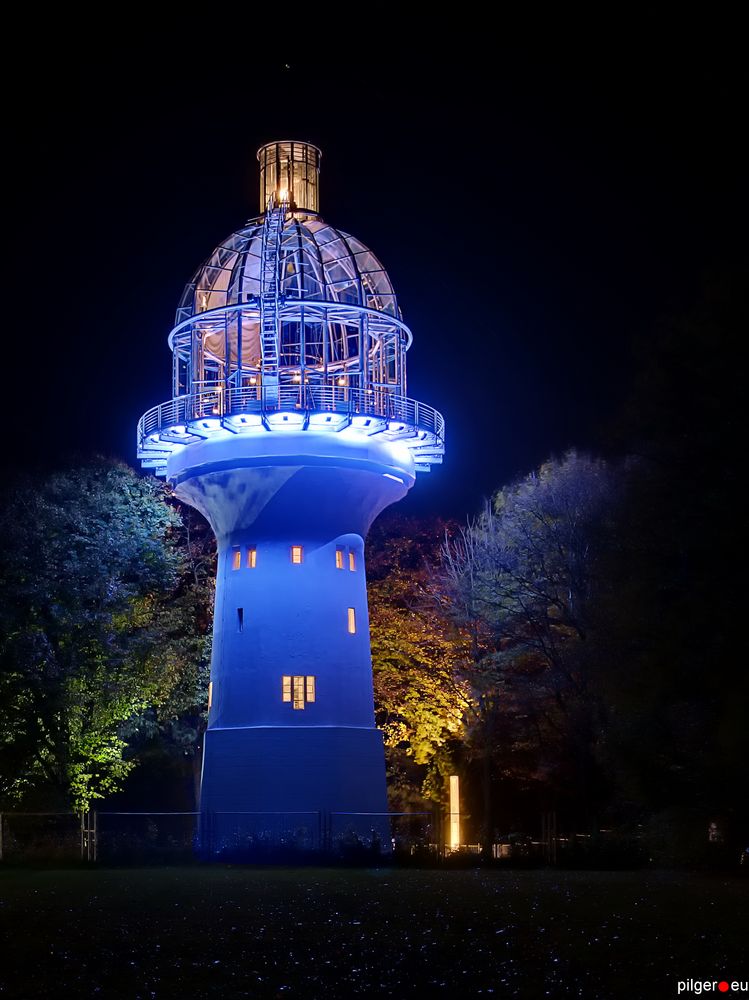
[137, 837]
[218, 403]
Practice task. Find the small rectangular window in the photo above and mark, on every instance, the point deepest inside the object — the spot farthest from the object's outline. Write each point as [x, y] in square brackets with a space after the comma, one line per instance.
[236, 559]
[210, 694]
[339, 558]
[286, 689]
[310, 689]
[351, 621]
[298, 692]
[296, 554]
[240, 619]
[352, 561]
[251, 558]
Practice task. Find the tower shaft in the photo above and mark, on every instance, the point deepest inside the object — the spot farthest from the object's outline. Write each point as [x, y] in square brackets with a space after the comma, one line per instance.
[291, 737]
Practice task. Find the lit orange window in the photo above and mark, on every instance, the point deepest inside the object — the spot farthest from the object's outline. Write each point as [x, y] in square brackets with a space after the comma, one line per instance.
[210, 694]
[296, 554]
[236, 559]
[351, 621]
[298, 700]
[251, 558]
[339, 558]
[352, 560]
[300, 691]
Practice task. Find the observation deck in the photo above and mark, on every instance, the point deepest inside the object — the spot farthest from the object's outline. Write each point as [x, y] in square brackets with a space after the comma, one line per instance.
[353, 413]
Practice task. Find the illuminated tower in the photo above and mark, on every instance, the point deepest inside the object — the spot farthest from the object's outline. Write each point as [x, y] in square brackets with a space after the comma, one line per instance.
[290, 430]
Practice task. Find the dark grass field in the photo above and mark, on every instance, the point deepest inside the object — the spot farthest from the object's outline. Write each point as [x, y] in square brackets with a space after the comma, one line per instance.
[318, 933]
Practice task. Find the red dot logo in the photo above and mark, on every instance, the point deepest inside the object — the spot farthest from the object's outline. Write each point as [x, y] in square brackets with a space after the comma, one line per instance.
[723, 987]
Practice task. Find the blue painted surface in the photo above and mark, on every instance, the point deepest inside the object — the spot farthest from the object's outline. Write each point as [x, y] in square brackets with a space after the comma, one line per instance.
[261, 755]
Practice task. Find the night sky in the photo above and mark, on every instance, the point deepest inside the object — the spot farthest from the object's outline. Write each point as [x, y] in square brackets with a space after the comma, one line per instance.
[538, 207]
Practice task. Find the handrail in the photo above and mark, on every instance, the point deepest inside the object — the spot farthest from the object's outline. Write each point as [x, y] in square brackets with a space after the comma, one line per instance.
[289, 309]
[217, 403]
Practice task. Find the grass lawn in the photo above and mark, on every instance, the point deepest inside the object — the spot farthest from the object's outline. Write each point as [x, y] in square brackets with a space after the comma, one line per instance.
[317, 933]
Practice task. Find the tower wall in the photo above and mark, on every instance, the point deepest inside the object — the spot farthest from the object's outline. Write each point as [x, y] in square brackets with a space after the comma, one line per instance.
[277, 618]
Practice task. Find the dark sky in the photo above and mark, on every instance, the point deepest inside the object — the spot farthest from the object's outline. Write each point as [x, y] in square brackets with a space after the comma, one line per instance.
[536, 205]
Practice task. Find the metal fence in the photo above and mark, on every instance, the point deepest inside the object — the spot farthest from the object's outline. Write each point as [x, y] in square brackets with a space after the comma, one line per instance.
[161, 837]
[173, 837]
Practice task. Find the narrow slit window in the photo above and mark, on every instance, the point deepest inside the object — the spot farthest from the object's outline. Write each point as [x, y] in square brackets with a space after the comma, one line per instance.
[339, 558]
[351, 620]
[210, 694]
[251, 558]
[352, 561]
[236, 559]
[298, 700]
[296, 554]
[240, 619]
[299, 691]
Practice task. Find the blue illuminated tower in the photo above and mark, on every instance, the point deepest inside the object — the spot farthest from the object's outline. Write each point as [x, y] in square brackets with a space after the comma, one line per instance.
[290, 429]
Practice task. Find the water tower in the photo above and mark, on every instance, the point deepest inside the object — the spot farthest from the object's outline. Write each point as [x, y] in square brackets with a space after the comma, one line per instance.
[290, 429]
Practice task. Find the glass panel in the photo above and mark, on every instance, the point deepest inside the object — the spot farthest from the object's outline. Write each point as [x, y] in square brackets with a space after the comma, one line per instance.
[345, 292]
[334, 250]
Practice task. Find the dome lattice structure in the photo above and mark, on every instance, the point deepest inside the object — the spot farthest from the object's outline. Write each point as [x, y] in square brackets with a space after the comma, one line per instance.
[289, 316]
[316, 262]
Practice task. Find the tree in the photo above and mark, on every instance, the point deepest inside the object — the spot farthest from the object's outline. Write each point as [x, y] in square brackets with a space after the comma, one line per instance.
[97, 624]
[419, 700]
[678, 691]
[524, 579]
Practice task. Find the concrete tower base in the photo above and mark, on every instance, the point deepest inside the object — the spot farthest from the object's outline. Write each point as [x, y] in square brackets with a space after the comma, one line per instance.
[305, 787]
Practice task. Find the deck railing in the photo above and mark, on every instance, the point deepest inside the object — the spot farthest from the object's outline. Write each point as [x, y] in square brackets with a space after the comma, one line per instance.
[218, 402]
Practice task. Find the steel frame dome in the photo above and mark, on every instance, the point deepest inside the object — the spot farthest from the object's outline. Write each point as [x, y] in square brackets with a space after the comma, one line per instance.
[316, 262]
[289, 315]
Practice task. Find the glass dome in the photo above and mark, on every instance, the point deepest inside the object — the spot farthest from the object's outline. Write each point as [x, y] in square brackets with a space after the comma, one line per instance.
[316, 263]
[289, 324]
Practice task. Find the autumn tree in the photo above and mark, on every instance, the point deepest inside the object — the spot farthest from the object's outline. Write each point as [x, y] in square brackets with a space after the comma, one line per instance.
[419, 698]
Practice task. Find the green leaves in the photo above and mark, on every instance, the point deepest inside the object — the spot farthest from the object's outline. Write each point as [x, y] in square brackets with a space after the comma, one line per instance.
[99, 616]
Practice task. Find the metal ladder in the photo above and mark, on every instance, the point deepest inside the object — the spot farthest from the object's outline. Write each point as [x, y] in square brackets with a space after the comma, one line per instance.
[269, 301]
